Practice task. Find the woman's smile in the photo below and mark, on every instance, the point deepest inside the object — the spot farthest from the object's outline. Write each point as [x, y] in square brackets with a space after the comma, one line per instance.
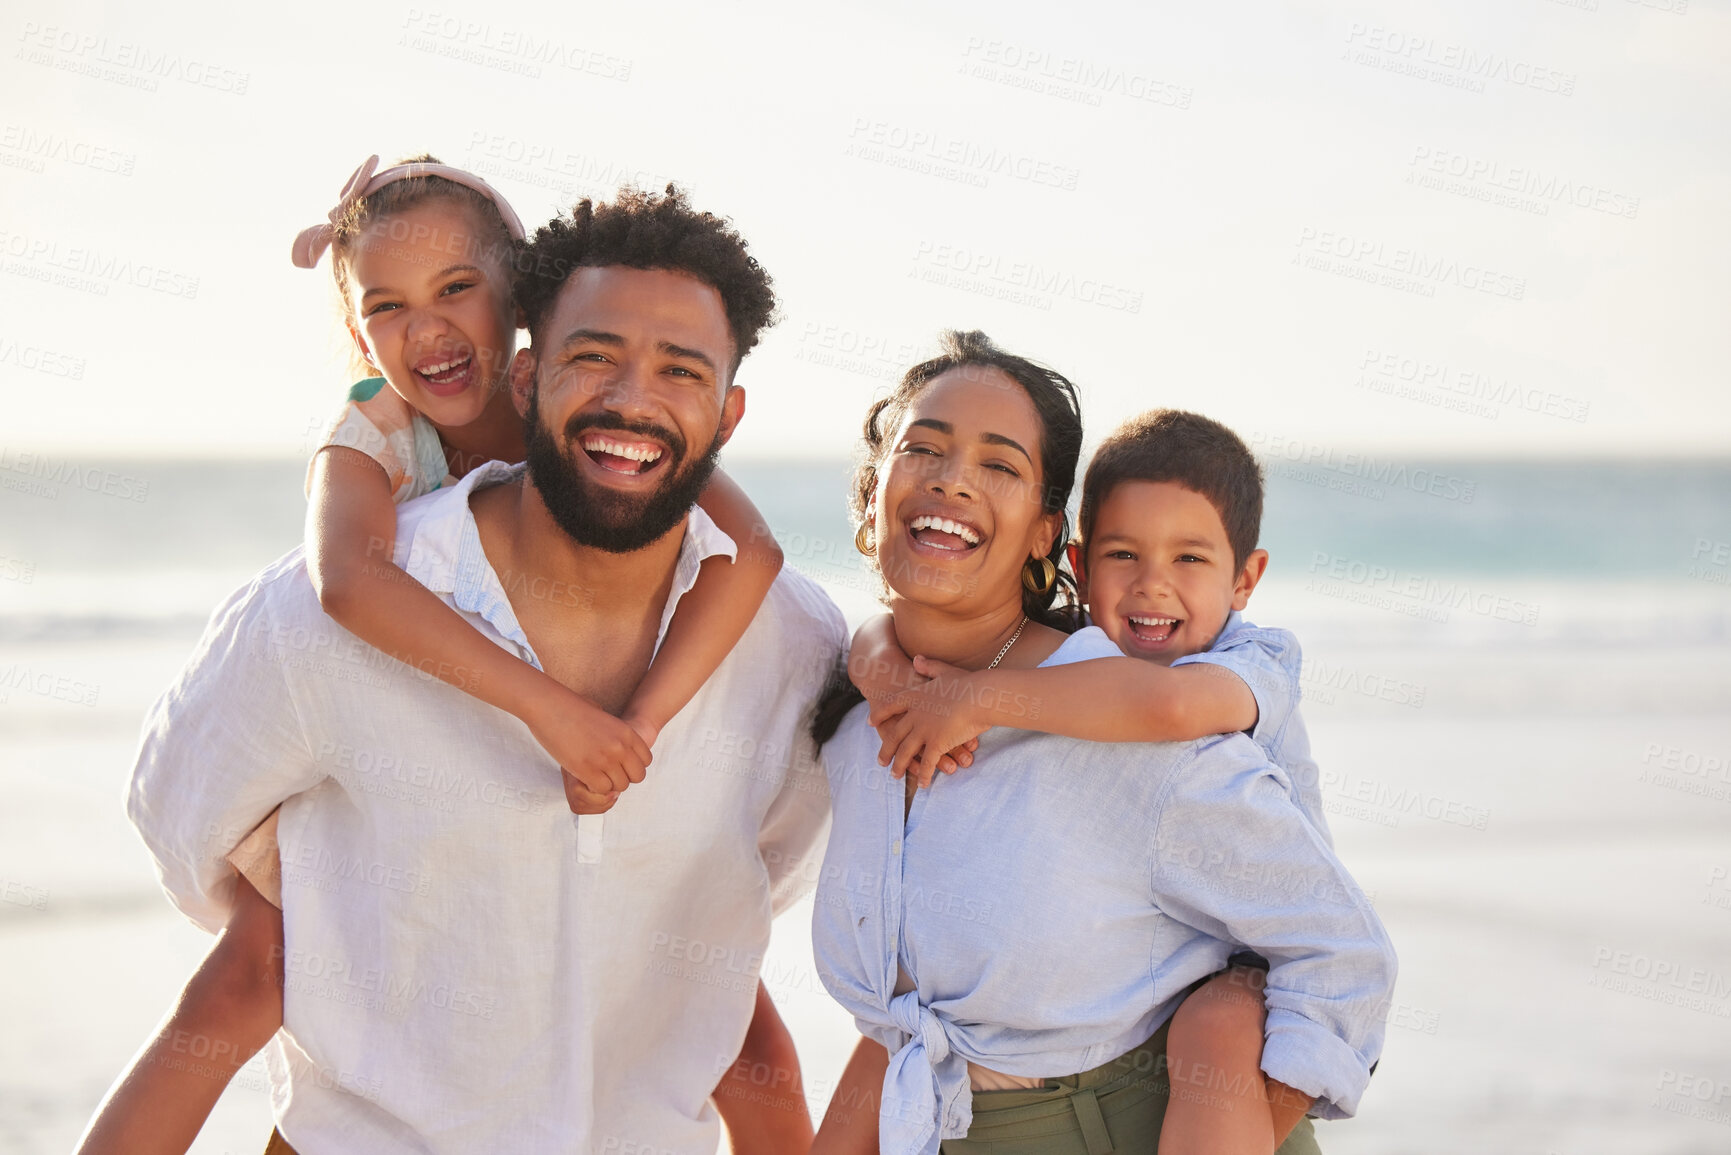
[958, 493]
[944, 532]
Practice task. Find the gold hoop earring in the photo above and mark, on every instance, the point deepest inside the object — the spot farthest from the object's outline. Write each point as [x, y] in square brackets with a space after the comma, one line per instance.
[862, 539]
[1047, 571]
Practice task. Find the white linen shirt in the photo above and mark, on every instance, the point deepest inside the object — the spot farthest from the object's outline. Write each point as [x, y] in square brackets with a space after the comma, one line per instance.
[458, 977]
[1053, 903]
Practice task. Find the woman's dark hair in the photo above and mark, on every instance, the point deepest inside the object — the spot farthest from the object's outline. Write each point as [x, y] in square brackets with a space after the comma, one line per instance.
[1060, 414]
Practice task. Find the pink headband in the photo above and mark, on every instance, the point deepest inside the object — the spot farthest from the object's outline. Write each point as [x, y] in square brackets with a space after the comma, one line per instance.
[312, 242]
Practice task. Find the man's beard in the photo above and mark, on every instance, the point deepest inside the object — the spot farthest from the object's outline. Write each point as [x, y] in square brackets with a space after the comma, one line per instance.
[601, 518]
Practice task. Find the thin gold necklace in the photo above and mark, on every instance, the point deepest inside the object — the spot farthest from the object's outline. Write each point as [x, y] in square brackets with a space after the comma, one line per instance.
[1020, 626]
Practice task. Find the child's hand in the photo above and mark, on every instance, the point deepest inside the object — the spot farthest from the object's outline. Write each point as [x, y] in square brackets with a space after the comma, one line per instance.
[584, 801]
[603, 753]
[934, 726]
[646, 730]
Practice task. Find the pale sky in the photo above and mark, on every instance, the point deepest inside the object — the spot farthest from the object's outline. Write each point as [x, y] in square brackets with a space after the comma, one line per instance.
[1484, 227]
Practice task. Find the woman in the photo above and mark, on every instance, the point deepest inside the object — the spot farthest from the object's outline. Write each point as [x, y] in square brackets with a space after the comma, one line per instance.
[993, 935]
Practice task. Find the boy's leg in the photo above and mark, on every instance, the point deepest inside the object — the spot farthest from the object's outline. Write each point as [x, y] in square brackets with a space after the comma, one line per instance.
[1220, 1103]
[761, 1098]
[230, 1008]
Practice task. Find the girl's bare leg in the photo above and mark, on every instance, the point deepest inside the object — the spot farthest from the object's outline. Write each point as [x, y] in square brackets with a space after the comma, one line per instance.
[230, 1008]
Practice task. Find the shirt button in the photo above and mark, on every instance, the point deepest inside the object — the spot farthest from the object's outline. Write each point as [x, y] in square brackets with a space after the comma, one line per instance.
[896, 847]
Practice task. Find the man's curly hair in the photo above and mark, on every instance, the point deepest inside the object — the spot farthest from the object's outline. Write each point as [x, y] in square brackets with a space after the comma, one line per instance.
[645, 230]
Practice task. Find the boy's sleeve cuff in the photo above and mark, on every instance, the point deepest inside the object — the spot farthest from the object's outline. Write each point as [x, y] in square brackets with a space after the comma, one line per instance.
[1306, 1055]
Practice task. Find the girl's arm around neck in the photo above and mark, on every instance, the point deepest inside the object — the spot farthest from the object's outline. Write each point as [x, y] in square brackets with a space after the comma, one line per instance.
[716, 613]
[351, 533]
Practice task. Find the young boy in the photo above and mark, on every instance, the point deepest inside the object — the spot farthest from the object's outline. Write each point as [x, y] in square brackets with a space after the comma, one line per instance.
[1166, 560]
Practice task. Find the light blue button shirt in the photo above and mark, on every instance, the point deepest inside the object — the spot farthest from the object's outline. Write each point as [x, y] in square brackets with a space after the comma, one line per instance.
[1271, 664]
[1053, 903]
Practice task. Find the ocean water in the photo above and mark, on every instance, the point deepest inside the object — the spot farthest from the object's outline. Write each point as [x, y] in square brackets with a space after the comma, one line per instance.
[1518, 685]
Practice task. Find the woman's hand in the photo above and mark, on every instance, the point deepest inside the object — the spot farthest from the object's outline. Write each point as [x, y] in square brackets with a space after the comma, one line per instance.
[933, 726]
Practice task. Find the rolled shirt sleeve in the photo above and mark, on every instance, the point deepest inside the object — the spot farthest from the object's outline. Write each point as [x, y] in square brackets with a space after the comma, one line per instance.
[1236, 859]
[221, 748]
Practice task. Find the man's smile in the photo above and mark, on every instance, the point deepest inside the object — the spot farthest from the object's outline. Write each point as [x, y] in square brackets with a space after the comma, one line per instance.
[616, 454]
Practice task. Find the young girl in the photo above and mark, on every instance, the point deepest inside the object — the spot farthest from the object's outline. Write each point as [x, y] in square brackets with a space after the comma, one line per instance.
[422, 256]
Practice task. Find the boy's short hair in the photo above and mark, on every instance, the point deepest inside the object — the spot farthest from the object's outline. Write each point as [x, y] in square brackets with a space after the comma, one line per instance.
[1191, 450]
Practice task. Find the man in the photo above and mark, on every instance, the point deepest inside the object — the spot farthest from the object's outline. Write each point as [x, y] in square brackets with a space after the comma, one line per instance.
[489, 972]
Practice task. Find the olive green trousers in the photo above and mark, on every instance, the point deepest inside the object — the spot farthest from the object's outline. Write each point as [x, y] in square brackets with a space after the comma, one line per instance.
[1116, 1107]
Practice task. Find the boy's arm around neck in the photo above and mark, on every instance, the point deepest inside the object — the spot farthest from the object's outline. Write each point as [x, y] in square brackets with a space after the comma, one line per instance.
[1105, 700]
